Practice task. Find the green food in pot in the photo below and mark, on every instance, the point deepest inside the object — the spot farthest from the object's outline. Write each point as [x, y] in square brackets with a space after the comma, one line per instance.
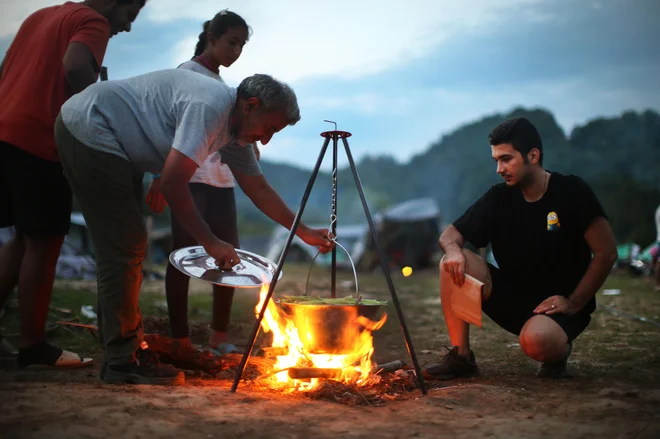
[311, 300]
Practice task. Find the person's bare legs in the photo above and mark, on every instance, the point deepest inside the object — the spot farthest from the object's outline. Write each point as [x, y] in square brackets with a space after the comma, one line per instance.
[35, 284]
[458, 329]
[11, 255]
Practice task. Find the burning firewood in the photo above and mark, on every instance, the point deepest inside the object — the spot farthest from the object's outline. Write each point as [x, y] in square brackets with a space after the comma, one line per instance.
[303, 373]
[389, 367]
[275, 352]
[172, 352]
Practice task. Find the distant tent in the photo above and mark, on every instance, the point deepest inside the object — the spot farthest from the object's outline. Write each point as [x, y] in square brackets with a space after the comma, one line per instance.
[408, 233]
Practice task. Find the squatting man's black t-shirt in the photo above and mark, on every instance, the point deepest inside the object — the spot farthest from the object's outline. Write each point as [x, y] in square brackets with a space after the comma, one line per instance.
[539, 246]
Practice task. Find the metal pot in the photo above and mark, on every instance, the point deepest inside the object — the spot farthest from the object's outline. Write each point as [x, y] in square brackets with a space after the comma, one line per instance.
[332, 329]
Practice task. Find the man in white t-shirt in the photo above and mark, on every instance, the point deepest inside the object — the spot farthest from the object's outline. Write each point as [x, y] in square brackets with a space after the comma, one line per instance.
[165, 122]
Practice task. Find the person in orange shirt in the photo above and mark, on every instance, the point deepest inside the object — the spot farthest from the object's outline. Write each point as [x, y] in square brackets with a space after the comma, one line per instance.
[57, 52]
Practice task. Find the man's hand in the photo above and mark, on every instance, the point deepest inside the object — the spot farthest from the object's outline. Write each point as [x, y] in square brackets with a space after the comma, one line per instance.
[454, 264]
[155, 199]
[224, 253]
[317, 237]
[556, 305]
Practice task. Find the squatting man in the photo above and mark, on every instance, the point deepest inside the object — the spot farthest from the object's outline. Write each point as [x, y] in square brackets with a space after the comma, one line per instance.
[554, 249]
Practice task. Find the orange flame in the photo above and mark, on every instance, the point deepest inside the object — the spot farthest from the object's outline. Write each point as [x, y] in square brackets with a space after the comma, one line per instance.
[294, 335]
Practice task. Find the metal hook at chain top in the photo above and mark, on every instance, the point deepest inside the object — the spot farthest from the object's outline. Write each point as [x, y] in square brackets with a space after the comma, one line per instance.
[329, 121]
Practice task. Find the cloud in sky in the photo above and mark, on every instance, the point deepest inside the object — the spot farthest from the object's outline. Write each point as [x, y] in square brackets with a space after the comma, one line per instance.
[15, 11]
[400, 74]
[299, 39]
[431, 112]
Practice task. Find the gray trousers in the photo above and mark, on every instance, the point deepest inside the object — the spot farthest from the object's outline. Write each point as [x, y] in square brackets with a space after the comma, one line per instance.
[109, 191]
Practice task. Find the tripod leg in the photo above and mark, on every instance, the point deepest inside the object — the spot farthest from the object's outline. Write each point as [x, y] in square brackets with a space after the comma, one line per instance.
[388, 278]
[333, 279]
[285, 251]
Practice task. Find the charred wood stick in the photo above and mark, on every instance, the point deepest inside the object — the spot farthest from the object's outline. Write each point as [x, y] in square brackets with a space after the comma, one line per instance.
[275, 352]
[79, 325]
[302, 373]
[171, 351]
[389, 367]
[275, 372]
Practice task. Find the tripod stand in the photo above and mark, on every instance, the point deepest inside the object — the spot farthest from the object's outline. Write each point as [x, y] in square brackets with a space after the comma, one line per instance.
[334, 136]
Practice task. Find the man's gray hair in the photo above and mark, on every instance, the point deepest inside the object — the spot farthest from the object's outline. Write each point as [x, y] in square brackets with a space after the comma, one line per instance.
[272, 95]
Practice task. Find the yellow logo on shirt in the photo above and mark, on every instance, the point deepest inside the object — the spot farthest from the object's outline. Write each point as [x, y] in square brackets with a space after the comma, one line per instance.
[553, 221]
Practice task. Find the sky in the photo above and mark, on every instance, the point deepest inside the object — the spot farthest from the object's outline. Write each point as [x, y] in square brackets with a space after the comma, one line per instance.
[400, 74]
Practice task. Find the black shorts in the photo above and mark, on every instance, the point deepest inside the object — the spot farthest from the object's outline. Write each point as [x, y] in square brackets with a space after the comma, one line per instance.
[35, 197]
[511, 308]
[217, 205]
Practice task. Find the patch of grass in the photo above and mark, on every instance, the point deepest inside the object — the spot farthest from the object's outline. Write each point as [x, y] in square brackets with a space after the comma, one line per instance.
[65, 305]
[612, 348]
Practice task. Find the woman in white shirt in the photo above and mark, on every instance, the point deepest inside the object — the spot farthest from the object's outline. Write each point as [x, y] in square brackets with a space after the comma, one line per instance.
[220, 44]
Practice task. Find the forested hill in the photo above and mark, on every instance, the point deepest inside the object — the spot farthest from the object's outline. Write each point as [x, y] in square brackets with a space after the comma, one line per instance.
[619, 157]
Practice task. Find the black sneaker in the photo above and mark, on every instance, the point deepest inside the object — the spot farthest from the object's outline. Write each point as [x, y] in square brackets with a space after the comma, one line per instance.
[451, 366]
[555, 369]
[147, 369]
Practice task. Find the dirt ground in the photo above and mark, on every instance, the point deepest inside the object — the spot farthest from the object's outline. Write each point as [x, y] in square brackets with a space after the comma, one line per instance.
[614, 391]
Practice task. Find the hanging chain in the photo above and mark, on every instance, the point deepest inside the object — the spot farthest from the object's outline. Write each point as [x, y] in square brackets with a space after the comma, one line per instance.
[333, 209]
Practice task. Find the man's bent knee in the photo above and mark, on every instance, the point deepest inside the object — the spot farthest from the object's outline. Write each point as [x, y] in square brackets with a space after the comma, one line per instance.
[542, 339]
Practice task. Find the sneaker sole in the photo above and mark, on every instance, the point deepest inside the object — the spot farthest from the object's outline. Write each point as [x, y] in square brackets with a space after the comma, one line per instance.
[114, 377]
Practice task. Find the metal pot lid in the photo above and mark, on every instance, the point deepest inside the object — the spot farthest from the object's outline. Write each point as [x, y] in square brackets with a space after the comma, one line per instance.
[249, 273]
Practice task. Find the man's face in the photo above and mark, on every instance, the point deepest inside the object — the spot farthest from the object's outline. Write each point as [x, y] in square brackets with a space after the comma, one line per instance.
[122, 15]
[254, 124]
[511, 165]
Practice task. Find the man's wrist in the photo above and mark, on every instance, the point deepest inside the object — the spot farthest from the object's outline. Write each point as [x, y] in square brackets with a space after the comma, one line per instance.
[207, 240]
[452, 248]
[301, 230]
[575, 303]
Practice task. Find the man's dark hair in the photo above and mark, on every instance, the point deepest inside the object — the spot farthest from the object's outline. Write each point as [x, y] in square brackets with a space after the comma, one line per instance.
[126, 2]
[520, 133]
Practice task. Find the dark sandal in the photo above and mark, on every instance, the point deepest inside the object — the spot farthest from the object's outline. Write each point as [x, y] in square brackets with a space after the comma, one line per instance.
[44, 356]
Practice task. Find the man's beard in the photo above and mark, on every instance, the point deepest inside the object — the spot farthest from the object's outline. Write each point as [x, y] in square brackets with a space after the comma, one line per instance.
[526, 180]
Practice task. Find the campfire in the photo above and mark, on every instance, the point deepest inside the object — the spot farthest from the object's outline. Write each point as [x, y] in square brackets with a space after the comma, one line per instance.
[314, 346]
[315, 342]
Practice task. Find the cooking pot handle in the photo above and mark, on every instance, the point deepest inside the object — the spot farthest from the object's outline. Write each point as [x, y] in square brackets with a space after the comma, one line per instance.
[357, 291]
